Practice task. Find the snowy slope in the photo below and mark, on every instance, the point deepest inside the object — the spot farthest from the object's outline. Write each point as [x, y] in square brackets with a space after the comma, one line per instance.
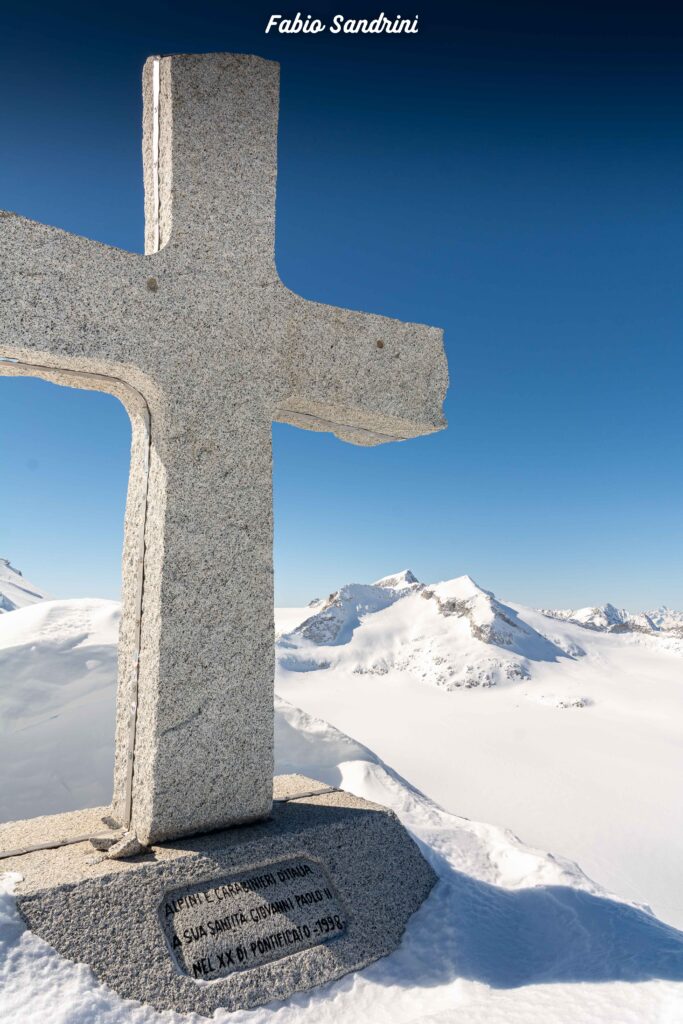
[57, 698]
[508, 934]
[576, 746]
[15, 591]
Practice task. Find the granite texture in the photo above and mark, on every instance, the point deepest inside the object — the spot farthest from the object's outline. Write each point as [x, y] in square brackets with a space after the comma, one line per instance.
[107, 913]
[54, 829]
[205, 347]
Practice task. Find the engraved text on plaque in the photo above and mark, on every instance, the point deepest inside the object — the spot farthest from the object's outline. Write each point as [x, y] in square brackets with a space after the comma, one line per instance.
[239, 921]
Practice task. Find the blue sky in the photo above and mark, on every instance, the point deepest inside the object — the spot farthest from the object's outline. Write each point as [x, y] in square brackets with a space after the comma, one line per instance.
[512, 175]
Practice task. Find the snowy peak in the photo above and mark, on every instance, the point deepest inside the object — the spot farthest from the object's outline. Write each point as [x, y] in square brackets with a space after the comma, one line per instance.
[404, 580]
[488, 619]
[602, 617]
[667, 620]
[15, 591]
[605, 616]
[336, 619]
[491, 622]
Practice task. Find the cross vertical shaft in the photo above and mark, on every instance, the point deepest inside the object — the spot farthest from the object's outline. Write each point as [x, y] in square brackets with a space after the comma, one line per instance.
[211, 124]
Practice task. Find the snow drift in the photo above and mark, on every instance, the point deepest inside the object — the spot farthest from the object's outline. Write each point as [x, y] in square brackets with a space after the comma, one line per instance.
[57, 705]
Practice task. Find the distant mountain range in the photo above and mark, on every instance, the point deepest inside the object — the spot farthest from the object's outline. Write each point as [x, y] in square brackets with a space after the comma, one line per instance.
[609, 619]
[453, 633]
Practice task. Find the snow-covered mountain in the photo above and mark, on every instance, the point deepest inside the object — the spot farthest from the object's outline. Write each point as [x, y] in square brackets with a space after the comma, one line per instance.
[609, 619]
[15, 591]
[399, 581]
[667, 619]
[454, 633]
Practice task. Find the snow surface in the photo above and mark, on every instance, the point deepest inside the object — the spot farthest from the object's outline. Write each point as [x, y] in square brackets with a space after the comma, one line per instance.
[57, 704]
[509, 934]
[569, 735]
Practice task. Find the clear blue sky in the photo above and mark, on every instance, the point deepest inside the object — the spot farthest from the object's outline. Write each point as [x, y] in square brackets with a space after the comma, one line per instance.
[514, 174]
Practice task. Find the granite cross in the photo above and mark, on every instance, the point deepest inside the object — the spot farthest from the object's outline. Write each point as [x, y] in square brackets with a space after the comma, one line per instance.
[205, 347]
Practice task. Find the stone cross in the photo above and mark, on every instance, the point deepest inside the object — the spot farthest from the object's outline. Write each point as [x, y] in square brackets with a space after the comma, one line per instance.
[205, 347]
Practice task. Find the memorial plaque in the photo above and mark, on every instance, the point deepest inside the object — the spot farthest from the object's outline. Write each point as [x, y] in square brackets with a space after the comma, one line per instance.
[244, 920]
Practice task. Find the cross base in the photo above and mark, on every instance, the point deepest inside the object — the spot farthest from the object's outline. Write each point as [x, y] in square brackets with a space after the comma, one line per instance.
[325, 886]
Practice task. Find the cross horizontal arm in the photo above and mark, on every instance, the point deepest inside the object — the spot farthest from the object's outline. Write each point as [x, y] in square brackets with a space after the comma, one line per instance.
[62, 297]
[367, 379]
